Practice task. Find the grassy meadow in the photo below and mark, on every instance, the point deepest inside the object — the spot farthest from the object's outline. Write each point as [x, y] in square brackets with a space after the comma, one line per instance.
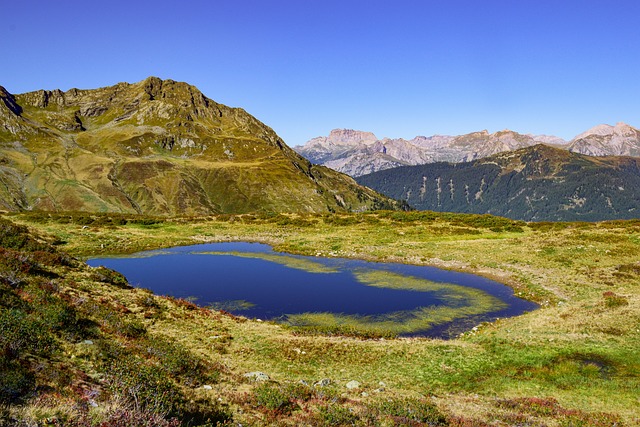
[573, 362]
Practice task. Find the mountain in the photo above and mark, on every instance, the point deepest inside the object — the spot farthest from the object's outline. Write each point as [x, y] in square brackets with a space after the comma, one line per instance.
[357, 153]
[339, 142]
[549, 140]
[538, 183]
[156, 147]
[607, 140]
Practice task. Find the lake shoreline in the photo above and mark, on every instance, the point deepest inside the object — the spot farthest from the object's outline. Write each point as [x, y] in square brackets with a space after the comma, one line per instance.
[439, 320]
[499, 276]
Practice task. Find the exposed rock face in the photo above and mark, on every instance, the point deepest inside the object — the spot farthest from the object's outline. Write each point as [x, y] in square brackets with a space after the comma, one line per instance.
[538, 183]
[549, 140]
[483, 144]
[10, 114]
[351, 137]
[323, 148]
[606, 140]
[358, 153]
[156, 147]
[9, 102]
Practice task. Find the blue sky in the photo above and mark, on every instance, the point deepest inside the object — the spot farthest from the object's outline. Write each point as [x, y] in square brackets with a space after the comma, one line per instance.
[397, 68]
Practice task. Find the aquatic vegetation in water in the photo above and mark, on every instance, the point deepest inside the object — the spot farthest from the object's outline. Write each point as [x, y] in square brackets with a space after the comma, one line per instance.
[285, 260]
[458, 302]
[233, 305]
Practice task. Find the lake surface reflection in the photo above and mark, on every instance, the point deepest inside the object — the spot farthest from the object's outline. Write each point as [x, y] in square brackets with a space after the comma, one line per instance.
[250, 279]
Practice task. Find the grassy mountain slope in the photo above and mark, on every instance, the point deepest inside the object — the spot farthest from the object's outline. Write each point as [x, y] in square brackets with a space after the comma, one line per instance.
[155, 147]
[538, 183]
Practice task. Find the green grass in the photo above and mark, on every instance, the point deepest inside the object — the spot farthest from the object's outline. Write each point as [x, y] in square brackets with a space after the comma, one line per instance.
[576, 355]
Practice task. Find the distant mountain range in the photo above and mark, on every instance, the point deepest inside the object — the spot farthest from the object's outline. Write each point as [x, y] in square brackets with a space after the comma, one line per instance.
[606, 140]
[358, 153]
[156, 147]
[536, 183]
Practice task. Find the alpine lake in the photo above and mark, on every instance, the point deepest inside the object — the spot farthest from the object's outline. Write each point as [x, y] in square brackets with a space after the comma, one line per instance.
[321, 294]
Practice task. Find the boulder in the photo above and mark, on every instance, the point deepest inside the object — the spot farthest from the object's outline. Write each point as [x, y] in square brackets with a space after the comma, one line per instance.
[257, 376]
[322, 383]
[351, 385]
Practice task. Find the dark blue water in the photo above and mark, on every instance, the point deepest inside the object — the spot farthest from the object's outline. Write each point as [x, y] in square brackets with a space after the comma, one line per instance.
[276, 290]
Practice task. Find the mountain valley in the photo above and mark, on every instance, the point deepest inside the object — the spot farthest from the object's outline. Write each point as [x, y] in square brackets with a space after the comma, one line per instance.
[537, 183]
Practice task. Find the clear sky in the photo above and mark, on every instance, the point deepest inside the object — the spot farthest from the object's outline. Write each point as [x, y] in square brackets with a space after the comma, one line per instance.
[398, 68]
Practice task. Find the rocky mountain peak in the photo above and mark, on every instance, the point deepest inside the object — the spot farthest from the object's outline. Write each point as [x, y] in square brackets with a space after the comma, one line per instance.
[339, 143]
[132, 97]
[350, 136]
[602, 129]
[607, 140]
[152, 86]
[176, 95]
[624, 129]
[548, 139]
[480, 133]
[357, 153]
[620, 128]
[157, 88]
[43, 98]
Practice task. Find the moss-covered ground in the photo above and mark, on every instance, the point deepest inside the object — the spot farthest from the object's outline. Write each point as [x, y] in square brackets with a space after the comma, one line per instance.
[573, 362]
